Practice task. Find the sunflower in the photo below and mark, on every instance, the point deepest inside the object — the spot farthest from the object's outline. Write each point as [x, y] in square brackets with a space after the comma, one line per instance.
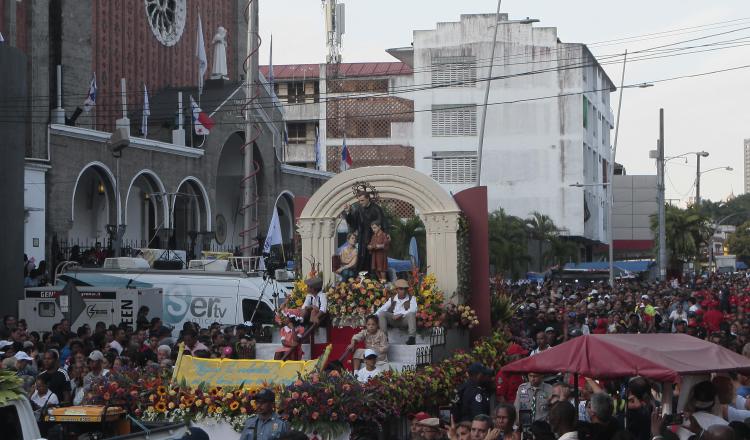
[162, 390]
[161, 406]
[234, 405]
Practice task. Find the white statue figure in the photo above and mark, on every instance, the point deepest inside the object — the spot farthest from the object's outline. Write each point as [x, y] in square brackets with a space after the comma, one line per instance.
[220, 54]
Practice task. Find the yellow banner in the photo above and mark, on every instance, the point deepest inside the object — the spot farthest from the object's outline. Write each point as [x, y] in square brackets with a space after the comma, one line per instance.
[234, 372]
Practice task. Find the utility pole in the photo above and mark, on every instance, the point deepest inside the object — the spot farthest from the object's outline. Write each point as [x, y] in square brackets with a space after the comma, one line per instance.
[662, 219]
[611, 172]
[480, 147]
[250, 83]
[698, 180]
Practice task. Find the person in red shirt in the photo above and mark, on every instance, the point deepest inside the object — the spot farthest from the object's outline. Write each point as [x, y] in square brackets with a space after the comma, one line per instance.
[507, 384]
[713, 317]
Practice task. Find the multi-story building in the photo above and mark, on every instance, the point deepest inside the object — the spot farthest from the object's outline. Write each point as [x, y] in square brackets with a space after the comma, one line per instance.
[171, 187]
[635, 202]
[548, 119]
[747, 166]
[361, 102]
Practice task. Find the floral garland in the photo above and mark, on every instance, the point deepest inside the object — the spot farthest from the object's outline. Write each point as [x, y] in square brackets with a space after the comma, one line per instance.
[351, 301]
[322, 402]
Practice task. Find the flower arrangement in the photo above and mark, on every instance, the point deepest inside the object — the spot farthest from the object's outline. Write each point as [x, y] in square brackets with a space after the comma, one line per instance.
[351, 301]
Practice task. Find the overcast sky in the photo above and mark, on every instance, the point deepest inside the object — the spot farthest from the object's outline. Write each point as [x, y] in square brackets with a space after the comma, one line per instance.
[709, 113]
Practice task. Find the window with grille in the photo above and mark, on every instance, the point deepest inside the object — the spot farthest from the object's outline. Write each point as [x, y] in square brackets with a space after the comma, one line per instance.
[454, 71]
[454, 167]
[454, 120]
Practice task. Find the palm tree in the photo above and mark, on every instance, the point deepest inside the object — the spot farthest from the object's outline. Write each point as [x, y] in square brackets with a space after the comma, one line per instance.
[561, 251]
[401, 232]
[687, 232]
[508, 244]
[541, 228]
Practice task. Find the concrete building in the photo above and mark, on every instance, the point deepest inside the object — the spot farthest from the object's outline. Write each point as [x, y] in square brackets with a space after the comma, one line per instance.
[174, 188]
[635, 201]
[548, 125]
[360, 100]
[747, 166]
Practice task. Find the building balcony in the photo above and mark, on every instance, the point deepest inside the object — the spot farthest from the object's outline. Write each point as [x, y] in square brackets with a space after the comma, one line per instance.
[309, 111]
[299, 153]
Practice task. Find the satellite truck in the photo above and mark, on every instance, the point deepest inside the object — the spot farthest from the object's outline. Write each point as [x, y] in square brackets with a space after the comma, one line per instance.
[228, 291]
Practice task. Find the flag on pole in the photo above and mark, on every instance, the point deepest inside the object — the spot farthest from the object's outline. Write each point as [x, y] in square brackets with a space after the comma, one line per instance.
[90, 101]
[318, 155]
[146, 112]
[201, 121]
[270, 67]
[346, 158]
[2, 40]
[200, 53]
[273, 237]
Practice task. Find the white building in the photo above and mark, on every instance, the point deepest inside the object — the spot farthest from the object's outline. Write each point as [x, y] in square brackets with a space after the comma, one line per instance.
[551, 130]
[34, 201]
[747, 165]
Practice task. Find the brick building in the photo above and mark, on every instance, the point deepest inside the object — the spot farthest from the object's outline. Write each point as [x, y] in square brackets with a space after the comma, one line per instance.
[178, 190]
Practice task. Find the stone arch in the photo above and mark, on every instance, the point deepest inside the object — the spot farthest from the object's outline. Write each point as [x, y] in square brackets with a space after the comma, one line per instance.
[143, 220]
[94, 205]
[285, 206]
[436, 207]
[190, 216]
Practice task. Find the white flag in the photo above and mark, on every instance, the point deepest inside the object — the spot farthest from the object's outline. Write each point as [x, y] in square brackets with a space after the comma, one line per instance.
[1, 38]
[272, 238]
[200, 53]
[90, 101]
[146, 112]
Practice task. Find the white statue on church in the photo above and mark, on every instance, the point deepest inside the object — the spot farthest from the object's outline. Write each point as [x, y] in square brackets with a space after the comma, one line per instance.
[220, 54]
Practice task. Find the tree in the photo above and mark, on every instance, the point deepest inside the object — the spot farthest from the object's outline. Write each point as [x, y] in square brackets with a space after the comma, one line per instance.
[541, 228]
[401, 232]
[561, 251]
[508, 244]
[687, 232]
[739, 242]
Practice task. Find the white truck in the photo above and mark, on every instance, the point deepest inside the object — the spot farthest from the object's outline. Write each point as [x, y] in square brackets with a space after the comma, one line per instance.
[42, 307]
[17, 421]
[201, 296]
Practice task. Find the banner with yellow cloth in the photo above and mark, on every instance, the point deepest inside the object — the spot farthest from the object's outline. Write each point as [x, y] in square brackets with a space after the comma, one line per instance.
[234, 372]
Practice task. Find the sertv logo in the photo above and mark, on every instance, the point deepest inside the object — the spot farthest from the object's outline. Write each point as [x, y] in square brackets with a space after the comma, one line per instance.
[180, 308]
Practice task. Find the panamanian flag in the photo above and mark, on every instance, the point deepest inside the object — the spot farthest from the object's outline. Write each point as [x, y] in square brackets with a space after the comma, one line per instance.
[201, 121]
[346, 158]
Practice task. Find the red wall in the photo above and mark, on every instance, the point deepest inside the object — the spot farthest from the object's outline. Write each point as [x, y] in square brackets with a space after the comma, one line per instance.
[123, 46]
[473, 203]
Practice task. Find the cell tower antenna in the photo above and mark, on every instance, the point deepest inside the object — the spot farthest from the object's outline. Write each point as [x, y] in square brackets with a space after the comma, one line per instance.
[335, 28]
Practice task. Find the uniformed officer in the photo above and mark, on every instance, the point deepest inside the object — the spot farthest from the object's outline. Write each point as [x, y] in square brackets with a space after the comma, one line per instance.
[472, 396]
[265, 424]
[532, 399]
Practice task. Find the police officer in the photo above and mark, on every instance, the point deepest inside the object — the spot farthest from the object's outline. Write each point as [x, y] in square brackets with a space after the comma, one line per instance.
[532, 400]
[265, 424]
[473, 397]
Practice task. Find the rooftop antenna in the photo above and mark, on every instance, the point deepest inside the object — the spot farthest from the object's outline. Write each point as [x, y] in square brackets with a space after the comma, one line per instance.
[335, 28]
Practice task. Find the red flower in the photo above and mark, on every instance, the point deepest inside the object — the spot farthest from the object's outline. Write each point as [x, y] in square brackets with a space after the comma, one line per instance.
[330, 402]
[315, 415]
[310, 400]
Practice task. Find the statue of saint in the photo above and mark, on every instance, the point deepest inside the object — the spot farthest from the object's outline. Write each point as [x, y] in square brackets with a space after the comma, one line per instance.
[220, 54]
[359, 217]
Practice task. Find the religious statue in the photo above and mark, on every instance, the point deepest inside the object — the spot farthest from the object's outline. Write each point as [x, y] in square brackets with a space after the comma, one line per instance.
[220, 54]
[359, 217]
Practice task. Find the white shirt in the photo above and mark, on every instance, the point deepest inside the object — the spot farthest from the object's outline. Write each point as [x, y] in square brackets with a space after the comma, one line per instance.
[538, 350]
[363, 375]
[705, 420]
[573, 435]
[399, 309]
[677, 316]
[114, 345]
[50, 399]
[320, 301]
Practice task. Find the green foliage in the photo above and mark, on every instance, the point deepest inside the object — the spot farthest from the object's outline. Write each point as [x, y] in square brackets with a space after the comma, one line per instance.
[739, 242]
[561, 251]
[687, 232]
[10, 386]
[733, 212]
[501, 308]
[401, 232]
[464, 258]
[508, 240]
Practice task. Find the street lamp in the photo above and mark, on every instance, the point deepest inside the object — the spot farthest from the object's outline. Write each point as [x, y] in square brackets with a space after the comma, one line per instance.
[698, 155]
[698, 175]
[480, 147]
[118, 141]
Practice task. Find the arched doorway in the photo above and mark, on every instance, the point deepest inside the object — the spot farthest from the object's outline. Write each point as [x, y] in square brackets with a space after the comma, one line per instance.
[93, 206]
[230, 210]
[439, 212]
[285, 209]
[146, 211]
[191, 217]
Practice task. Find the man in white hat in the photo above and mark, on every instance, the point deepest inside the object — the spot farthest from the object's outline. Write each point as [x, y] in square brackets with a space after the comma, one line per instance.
[24, 369]
[370, 369]
[400, 311]
[96, 371]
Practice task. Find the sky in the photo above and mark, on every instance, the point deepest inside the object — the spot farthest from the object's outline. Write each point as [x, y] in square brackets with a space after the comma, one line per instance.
[710, 113]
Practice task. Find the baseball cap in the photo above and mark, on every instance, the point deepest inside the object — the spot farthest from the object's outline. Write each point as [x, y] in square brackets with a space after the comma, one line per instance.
[370, 353]
[22, 356]
[401, 284]
[477, 368]
[96, 355]
[4, 344]
[265, 395]
[549, 329]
